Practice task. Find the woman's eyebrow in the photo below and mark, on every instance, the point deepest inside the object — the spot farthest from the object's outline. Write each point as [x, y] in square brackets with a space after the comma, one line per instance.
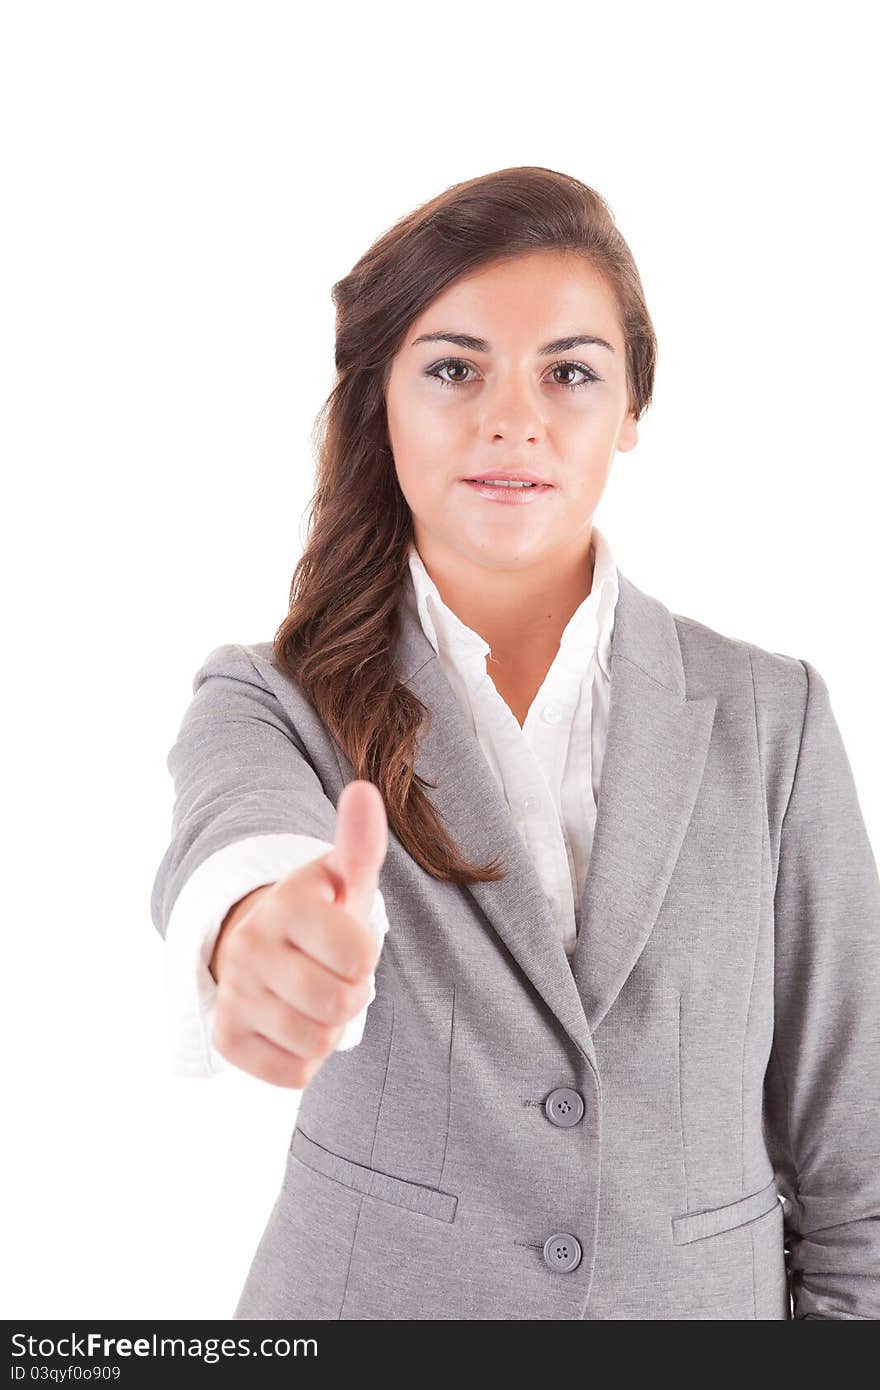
[465, 340]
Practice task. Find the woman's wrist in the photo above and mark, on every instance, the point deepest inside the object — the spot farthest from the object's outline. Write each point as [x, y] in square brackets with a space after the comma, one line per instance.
[235, 913]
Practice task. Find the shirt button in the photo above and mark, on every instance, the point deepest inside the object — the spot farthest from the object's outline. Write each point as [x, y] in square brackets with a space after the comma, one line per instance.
[562, 1252]
[551, 714]
[531, 803]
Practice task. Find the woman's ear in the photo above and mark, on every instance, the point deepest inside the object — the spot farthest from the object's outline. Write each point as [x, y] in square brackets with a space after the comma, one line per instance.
[628, 435]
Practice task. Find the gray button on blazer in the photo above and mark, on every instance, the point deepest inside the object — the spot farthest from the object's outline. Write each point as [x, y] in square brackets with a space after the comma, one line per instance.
[682, 1120]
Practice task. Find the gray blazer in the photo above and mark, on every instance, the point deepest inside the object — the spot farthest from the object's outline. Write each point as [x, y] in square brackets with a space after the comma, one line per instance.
[682, 1121]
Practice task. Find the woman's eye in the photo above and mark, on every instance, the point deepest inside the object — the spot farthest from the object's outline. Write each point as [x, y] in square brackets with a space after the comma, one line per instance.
[455, 364]
[587, 372]
[451, 363]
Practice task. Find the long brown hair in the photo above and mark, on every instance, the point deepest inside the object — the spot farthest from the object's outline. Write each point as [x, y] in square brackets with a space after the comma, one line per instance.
[337, 638]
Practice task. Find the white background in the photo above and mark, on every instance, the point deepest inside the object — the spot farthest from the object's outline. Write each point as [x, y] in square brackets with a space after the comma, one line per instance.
[182, 184]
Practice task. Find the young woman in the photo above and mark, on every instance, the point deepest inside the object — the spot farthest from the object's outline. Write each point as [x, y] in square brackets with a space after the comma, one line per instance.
[617, 1056]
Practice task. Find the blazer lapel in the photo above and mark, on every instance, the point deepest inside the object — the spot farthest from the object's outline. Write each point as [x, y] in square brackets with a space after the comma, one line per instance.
[655, 753]
[656, 748]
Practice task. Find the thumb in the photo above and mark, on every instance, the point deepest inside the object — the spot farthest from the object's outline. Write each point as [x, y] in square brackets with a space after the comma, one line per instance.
[360, 845]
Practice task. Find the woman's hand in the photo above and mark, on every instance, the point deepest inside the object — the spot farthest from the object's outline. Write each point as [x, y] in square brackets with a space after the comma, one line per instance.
[294, 960]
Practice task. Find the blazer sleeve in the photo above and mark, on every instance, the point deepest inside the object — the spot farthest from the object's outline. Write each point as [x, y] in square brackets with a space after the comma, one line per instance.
[248, 808]
[822, 1088]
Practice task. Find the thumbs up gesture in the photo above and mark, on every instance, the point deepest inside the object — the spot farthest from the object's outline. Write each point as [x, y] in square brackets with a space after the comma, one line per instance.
[294, 960]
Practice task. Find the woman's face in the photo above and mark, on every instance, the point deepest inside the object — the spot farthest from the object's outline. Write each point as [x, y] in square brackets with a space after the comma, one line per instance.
[502, 401]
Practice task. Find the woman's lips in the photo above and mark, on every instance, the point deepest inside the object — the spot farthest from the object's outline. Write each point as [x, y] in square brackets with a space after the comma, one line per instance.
[509, 496]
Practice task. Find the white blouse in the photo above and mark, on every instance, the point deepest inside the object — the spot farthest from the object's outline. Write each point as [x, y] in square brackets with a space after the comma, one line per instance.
[549, 771]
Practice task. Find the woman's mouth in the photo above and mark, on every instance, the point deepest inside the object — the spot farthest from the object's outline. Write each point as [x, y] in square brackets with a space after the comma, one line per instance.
[508, 493]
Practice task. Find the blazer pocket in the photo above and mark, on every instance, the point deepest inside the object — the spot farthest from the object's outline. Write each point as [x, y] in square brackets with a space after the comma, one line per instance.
[710, 1222]
[428, 1201]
